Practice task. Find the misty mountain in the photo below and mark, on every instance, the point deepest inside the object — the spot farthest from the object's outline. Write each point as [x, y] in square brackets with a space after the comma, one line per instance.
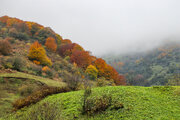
[154, 67]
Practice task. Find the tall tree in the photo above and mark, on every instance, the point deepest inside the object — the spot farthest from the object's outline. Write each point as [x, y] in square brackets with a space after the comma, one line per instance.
[51, 44]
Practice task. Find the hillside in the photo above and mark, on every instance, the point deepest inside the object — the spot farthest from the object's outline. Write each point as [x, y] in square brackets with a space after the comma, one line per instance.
[156, 67]
[138, 103]
[17, 85]
[36, 62]
[32, 48]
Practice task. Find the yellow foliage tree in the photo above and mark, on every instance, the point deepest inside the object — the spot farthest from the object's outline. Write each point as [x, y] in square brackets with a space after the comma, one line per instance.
[38, 53]
[92, 72]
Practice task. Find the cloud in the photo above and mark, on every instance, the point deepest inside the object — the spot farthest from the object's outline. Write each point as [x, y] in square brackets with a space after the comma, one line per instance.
[103, 26]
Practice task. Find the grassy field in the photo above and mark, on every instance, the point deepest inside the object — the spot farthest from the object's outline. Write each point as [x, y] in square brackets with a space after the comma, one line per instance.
[46, 81]
[18, 85]
[140, 103]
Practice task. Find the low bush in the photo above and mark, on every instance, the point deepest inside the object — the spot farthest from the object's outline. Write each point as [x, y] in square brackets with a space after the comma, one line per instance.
[87, 93]
[57, 65]
[7, 63]
[96, 104]
[117, 105]
[5, 47]
[36, 69]
[63, 64]
[16, 63]
[101, 82]
[73, 81]
[37, 96]
[48, 72]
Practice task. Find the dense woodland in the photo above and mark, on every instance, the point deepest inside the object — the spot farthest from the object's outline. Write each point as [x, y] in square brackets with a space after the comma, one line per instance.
[160, 66]
[44, 52]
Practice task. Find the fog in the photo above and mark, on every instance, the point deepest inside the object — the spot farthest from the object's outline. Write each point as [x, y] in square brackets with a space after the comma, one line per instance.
[103, 26]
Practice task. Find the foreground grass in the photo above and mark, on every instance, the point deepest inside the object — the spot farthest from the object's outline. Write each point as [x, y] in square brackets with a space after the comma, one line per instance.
[140, 103]
[46, 81]
[13, 84]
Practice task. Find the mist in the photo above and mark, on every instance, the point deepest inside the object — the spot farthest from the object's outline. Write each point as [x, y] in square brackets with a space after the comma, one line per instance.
[104, 26]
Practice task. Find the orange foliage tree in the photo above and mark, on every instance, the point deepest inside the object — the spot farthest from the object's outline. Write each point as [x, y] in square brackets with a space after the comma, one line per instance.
[66, 41]
[108, 72]
[100, 64]
[29, 27]
[81, 58]
[38, 53]
[51, 44]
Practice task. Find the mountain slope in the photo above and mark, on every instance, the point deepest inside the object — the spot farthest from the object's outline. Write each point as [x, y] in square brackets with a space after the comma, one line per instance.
[36, 62]
[155, 67]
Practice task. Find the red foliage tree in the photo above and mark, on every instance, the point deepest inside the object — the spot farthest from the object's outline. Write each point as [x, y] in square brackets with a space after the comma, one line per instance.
[68, 49]
[81, 58]
[120, 80]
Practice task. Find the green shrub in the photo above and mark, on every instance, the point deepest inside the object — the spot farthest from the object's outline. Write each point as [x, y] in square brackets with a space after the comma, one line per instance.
[37, 96]
[37, 69]
[73, 80]
[50, 73]
[57, 66]
[96, 104]
[117, 105]
[63, 65]
[101, 82]
[22, 36]
[18, 63]
[7, 63]
[67, 58]
[87, 93]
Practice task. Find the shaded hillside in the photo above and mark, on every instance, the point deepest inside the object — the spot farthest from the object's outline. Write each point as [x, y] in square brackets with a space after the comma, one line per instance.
[155, 67]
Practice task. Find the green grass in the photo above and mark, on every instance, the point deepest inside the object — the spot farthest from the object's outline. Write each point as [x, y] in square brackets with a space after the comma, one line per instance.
[46, 81]
[10, 88]
[140, 103]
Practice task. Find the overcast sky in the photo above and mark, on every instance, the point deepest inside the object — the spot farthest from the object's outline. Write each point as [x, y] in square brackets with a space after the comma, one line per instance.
[103, 26]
